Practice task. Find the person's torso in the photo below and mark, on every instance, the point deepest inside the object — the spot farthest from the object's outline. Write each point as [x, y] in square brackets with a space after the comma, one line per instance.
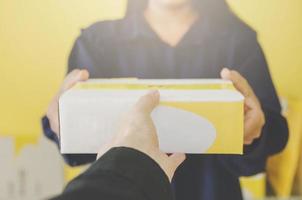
[113, 50]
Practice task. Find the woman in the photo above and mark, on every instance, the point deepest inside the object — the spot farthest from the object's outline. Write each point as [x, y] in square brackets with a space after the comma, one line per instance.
[186, 39]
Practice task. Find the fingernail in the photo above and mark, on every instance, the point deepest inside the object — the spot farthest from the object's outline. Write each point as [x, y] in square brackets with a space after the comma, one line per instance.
[225, 73]
[82, 73]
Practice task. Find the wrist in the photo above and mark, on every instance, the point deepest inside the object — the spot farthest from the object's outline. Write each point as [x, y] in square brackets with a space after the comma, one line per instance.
[157, 156]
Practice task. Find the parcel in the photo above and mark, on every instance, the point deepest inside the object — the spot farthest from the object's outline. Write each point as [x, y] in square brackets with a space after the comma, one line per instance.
[197, 116]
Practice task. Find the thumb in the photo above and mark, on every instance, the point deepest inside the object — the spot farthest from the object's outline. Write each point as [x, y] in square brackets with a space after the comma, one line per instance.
[78, 75]
[73, 77]
[148, 102]
[240, 83]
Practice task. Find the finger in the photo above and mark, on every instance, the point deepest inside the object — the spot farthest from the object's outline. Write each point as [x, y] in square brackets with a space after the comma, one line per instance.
[148, 102]
[77, 75]
[240, 83]
[251, 103]
[84, 75]
[249, 122]
[248, 141]
[251, 129]
[255, 134]
[74, 77]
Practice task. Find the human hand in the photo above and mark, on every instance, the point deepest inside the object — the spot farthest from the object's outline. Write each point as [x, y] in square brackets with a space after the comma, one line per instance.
[71, 79]
[137, 131]
[254, 118]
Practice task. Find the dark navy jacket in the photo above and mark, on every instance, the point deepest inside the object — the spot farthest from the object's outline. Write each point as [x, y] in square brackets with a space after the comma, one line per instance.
[129, 48]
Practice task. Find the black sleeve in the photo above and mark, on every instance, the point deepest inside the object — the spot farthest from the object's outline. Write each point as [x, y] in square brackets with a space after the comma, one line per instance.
[121, 174]
[250, 61]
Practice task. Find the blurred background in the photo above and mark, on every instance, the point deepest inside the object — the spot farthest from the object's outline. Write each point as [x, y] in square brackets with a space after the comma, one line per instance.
[35, 40]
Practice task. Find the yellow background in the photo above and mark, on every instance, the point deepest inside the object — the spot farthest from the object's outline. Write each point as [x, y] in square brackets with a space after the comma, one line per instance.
[36, 37]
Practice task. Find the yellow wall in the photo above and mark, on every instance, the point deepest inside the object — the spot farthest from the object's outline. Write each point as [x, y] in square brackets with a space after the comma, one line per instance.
[36, 37]
[279, 26]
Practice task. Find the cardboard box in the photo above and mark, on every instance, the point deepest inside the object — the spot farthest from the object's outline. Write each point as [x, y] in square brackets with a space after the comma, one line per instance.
[194, 116]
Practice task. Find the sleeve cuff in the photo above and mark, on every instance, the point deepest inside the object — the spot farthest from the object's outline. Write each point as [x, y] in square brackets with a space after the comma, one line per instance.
[48, 132]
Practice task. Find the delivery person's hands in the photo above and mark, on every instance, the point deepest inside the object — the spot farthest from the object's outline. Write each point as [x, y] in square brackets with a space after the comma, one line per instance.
[53, 109]
[254, 118]
[138, 131]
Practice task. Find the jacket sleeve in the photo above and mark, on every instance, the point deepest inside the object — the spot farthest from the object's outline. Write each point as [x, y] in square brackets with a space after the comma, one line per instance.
[249, 60]
[120, 174]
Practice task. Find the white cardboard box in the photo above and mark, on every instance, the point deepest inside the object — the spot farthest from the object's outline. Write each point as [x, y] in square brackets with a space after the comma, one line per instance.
[194, 116]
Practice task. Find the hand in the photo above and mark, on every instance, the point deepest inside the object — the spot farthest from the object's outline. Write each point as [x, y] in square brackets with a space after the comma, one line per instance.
[53, 109]
[137, 131]
[254, 118]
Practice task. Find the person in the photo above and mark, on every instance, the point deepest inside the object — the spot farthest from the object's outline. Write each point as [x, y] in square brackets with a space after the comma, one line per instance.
[130, 166]
[180, 39]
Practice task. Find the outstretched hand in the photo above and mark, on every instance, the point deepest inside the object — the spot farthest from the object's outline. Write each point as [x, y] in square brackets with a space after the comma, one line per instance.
[137, 131]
